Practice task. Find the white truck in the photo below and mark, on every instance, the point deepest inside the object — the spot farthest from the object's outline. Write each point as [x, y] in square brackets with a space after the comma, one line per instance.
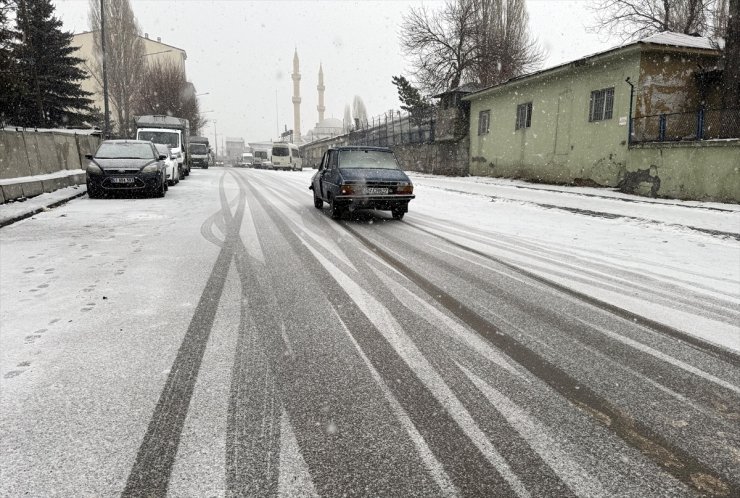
[170, 131]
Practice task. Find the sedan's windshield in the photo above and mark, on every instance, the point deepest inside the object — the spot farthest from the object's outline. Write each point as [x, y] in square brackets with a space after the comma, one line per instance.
[123, 150]
[160, 137]
[367, 159]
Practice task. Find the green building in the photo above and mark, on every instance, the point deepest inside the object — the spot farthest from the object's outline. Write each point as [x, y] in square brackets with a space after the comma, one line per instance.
[629, 116]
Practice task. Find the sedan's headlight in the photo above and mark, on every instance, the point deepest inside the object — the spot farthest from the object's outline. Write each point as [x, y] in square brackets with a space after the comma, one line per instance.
[152, 168]
[347, 189]
[94, 169]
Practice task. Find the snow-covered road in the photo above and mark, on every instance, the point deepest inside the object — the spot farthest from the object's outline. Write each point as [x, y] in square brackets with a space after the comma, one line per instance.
[503, 339]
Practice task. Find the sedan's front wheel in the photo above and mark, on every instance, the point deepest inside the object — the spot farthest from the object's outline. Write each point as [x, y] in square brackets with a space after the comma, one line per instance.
[160, 191]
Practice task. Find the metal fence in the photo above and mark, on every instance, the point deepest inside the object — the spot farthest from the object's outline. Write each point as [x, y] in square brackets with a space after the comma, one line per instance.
[704, 124]
[394, 128]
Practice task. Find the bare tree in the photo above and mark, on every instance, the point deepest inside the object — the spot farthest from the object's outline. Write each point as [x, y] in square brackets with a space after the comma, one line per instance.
[124, 57]
[482, 41]
[504, 46]
[347, 124]
[440, 44]
[721, 15]
[166, 91]
[359, 112]
[731, 58]
[635, 19]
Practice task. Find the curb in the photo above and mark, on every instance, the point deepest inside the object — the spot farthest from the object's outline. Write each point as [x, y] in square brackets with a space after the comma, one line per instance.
[10, 221]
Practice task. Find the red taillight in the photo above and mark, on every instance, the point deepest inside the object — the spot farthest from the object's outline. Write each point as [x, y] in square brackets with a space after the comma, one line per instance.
[406, 190]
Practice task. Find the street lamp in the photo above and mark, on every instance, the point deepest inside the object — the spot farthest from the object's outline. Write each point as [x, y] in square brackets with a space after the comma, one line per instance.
[215, 136]
[106, 119]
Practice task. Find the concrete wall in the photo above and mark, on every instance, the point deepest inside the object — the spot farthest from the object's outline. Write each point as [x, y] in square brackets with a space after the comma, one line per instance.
[32, 163]
[438, 158]
[708, 171]
[561, 146]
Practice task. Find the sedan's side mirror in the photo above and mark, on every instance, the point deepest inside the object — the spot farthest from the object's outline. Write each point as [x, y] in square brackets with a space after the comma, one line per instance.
[89, 156]
[162, 157]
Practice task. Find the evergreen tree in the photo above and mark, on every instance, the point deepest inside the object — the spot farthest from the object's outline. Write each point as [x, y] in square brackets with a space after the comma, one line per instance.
[412, 100]
[49, 77]
[8, 67]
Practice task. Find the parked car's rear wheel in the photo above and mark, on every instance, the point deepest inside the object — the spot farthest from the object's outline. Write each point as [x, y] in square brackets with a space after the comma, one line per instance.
[335, 210]
[317, 201]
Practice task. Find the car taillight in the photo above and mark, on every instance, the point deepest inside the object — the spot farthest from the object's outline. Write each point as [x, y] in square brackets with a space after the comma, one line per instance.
[405, 189]
[347, 190]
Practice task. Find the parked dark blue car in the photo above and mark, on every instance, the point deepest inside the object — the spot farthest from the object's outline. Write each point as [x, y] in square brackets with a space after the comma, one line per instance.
[352, 178]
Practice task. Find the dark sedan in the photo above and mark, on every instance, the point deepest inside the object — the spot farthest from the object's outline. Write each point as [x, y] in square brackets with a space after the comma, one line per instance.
[126, 166]
[352, 178]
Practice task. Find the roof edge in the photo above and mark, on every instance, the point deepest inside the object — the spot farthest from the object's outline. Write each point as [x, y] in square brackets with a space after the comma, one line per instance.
[631, 47]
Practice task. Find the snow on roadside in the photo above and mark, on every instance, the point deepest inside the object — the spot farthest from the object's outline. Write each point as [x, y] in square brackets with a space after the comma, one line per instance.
[659, 242]
[19, 209]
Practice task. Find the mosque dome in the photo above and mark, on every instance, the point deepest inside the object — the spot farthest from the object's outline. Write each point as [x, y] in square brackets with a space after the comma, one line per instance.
[330, 123]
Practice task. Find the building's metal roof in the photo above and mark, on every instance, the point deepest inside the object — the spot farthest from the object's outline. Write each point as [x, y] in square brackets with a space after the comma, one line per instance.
[464, 88]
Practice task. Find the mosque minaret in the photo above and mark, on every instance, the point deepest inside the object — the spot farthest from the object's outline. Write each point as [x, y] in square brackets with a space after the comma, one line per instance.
[321, 108]
[325, 127]
[296, 100]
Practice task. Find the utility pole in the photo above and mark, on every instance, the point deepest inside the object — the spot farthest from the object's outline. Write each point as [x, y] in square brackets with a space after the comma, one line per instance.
[215, 138]
[106, 125]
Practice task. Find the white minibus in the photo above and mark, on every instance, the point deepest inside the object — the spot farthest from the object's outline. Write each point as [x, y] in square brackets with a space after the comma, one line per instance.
[286, 156]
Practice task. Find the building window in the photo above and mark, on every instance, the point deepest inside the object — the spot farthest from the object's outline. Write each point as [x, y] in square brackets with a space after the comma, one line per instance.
[524, 115]
[484, 120]
[601, 105]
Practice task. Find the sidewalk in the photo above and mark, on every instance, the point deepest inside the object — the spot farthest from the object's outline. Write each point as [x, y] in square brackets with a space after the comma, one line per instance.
[709, 217]
[18, 210]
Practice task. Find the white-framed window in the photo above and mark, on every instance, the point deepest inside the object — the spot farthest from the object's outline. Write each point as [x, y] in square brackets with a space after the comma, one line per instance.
[524, 115]
[601, 105]
[484, 122]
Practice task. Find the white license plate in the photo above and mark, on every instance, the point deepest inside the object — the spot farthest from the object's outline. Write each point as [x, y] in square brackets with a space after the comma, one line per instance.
[122, 180]
[376, 190]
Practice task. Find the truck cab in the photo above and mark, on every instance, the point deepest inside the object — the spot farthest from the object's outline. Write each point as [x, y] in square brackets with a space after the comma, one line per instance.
[170, 131]
[200, 154]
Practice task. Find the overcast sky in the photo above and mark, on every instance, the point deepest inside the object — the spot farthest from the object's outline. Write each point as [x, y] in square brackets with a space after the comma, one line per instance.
[241, 52]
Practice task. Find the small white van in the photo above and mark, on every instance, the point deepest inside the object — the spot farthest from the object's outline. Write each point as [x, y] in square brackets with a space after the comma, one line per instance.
[286, 156]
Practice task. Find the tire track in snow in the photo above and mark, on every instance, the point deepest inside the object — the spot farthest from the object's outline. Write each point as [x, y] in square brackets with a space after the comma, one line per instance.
[467, 468]
[150, 473]
[673, 460]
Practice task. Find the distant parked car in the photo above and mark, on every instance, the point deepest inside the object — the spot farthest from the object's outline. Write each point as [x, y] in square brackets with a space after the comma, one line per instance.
[361, 178]
[126, 166]
[170, 164]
